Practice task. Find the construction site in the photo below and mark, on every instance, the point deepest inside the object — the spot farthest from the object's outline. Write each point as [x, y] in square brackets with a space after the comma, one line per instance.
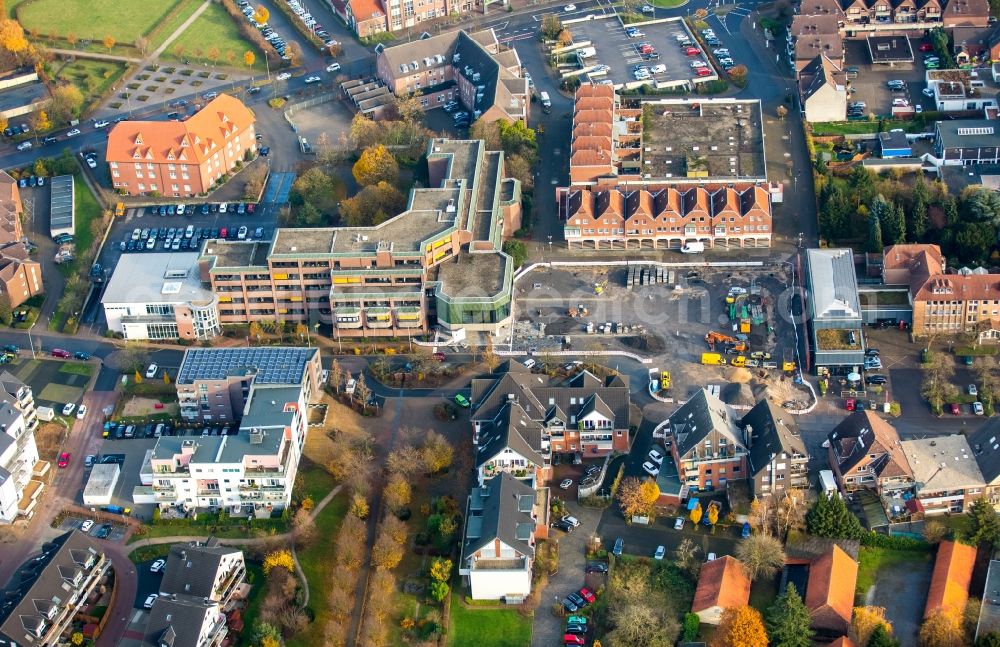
[697, 326]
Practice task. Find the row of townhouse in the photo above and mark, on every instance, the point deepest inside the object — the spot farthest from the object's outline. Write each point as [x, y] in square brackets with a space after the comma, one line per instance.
[263, 393]
[20, 276]
[519, 421]
[945, 473]
[729, 216]
[202, 581]
[368, 18]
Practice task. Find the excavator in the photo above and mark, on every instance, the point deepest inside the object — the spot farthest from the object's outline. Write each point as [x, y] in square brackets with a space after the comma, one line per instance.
[732, 343]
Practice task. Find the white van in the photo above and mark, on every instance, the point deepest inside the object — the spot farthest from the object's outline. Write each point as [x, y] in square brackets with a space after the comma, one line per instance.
[586, 52]
[530, 363]
[546, 102]
[352, 384]
[693, 248]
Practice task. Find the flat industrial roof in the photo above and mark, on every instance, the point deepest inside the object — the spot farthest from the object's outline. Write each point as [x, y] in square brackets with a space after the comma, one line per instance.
[157, 278]
[890, 49]
[63, 203]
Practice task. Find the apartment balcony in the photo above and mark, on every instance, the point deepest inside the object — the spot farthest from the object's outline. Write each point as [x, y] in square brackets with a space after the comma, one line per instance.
[40, 469]
[408, 317]
[514, 564]
[348, 317]
[378, 318]
[230, 584]
[258, 469]
[29, 498]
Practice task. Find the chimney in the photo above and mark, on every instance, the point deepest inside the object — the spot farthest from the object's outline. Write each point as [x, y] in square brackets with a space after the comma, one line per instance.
[748, 436]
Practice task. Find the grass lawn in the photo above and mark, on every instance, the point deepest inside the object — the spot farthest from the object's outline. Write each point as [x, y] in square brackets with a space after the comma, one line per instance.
[163, 30]
[123, 20]
[871, 560]
[147, 553]
[214, 28]
[860, 127]
[763, 593]
[313, 481]
[77, 368]
[472, 627]
[87, 210]
[255, 577]
[92, 78]
[317, 564]
[667, 4]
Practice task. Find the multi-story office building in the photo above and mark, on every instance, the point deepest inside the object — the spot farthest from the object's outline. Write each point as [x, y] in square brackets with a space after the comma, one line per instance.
[214, 384]
[20, 466]
[471, 68]
[437, 263]
[160, 296]
[41, 609]
[181, 158]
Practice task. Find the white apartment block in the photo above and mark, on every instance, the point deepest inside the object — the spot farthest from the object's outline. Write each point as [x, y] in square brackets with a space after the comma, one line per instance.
[19, 463]
[250, 472]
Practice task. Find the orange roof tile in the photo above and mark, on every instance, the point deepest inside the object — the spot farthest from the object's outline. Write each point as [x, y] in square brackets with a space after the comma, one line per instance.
[830, 590]
[952, 574]
[595, 91]
[721, 584]
[10, 195]
[192, 141]
[843, 641]
[365, 9]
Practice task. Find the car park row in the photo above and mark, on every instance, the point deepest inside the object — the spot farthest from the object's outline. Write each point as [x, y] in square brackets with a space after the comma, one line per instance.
[185, 238]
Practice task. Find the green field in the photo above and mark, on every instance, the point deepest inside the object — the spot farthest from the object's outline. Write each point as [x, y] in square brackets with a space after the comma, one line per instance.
[93, 78]
[164, 29]
[871, 560]
[87, 210]
[213, 29]
[77, 368]
[506, 627]
[124, 20]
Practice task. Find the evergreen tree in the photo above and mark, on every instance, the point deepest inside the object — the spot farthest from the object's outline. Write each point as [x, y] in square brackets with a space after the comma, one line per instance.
[984, 525]
[918, 215]
[991, 639]
[874, 234]
[829, 517]
[897, 225]
[788, 621]
[882, 638]
[863, 183]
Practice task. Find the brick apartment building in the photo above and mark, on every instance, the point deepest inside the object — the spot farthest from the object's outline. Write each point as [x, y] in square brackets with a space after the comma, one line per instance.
[472, 68]
[181, 158]
[20, 276]
[943, 303]
[370, 17]
[438, 262]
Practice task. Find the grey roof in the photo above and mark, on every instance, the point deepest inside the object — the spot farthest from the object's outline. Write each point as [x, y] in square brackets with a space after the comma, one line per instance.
[772, 432]
[894, 139]
[9, 414]
[192, 568]
[832, 283]
[989, 613]
[820, 72]
[265, 407]
[178, 623]
[269, 364]
[62, 203]
[252, 440]
[863, 433]
[43, 581]
[942, 463]
[513, 429]
[11, 385]
[157, 278]
[500, 509]
[985, 444]
[699, 417]
[966, 133]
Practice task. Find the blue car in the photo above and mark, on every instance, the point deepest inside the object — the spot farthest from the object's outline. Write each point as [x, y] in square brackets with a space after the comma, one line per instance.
[746, 531]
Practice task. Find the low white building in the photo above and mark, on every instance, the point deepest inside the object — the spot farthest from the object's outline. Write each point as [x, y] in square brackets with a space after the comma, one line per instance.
[19, 463]
[160, 296]
[248, 473]
[101, 485]
[498, 548]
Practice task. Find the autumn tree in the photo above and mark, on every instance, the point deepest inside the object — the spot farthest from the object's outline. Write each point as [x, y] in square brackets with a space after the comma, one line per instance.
[637, 612]
[942, 629]
[740, 626]
[490, 358]
[12, 37]
[249, 58]
[66, 103]
[71, 38]
[696, 514]
[361, 390]
[40, 121]
[279, 558]
[303, 527]
[782, 112]
[349, 544]
[376, 164]
[142, 44]
[387, 552]
[372, 205]
[397, 493]
[686, 558]
[713, 515]
[762, 556]
[336, 375]
[109, 42]
[788, 620]
[436, 452]
[213, 54]
[440, 570]
[261, 14]
[864, 622]
[631, 499]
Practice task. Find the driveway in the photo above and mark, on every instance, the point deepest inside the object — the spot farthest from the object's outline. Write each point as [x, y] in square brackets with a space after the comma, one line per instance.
[905, 612]
[547, 628]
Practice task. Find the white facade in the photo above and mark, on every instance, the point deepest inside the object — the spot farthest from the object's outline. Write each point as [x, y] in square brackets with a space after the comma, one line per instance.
[252, 471]
[18, 458]
[829, 103]
[509, 461]
[487, 582]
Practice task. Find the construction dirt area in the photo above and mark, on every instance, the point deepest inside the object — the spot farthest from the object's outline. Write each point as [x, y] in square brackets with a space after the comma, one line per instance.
[665, 314]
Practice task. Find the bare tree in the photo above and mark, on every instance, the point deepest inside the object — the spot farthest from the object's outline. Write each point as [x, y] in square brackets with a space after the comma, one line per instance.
[362, 391]
[336, 375]
[762, 556]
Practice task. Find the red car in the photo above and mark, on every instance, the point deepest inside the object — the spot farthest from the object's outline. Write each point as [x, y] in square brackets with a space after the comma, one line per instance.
[851, 404]
[646, 49]
[926, 47]
[251, 206]
[439, 356]
[573, 639]
[953, 407]
[64, 459]
[223, 233]
[703, 71]
[587, 595]
[58, 352]
[692, 51]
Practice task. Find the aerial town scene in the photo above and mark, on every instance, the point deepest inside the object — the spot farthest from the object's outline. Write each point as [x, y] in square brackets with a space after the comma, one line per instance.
[499, 323]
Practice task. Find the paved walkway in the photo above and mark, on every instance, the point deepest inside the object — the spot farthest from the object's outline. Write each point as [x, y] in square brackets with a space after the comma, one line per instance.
[180, 30]
[94, 55]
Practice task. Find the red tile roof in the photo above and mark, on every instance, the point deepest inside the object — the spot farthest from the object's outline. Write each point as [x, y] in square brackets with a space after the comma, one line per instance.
[952, 574]
[365, 9]
[830, 590]
[721, 583]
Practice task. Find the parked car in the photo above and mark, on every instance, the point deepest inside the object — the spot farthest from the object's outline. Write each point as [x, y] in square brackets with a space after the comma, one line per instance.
[651, 468]
[679, 523]
[618, 547]
[953, 407]
[86, 526]
[152, 370]
[81, 413]
[571, 520]
[973, 390]
[64, 459]
[597, 567]
[660, 552]
[877, 379]
[655, 456]
[566, 484]
[150, 599]
[977, 408]
[460, 400]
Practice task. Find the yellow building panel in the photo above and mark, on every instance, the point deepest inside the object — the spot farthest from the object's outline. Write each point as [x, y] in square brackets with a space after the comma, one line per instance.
[281, 277]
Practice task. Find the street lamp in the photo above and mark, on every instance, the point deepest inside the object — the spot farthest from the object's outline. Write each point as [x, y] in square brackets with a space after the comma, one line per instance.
[550, 244]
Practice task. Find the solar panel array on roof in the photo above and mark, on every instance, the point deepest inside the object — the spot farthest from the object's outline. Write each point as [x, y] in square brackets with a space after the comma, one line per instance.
[280, 365]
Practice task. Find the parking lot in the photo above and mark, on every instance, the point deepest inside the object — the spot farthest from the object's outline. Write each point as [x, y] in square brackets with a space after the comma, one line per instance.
[620, 54]
[871, 83]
